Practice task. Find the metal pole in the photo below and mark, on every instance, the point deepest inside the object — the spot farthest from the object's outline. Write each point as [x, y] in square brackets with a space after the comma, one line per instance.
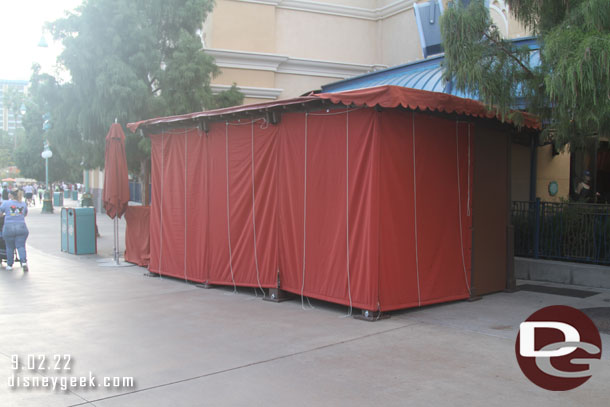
[47, 201]
[537, 216]
[116, 222]
[533, 166]
[511, 282]
[595, 148]
[116, 240]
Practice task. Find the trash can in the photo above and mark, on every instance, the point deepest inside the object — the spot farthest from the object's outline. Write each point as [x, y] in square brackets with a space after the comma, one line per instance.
[64, 229]
[58, 199]
[75, 195]
[78, 231]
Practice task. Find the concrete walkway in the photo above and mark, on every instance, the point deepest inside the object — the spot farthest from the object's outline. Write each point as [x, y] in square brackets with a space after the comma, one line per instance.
[187, 346]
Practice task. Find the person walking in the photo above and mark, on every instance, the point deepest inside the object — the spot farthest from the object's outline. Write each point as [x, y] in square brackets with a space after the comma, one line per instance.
[5, 191]
[29, 194]
[15, 232]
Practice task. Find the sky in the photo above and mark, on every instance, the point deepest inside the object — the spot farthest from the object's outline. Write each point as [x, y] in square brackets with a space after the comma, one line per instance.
[21, 24]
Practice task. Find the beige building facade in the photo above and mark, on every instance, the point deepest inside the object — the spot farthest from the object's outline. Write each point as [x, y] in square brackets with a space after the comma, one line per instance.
[550, 168]
[276, 49]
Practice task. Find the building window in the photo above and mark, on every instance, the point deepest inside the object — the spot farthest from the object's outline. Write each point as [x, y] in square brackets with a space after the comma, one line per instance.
[428, 16]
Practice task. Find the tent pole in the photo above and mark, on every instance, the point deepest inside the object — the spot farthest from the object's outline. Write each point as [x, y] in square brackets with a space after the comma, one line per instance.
[116, 240]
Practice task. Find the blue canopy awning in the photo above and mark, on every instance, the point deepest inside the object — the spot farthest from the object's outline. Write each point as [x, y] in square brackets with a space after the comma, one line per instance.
[426, 74]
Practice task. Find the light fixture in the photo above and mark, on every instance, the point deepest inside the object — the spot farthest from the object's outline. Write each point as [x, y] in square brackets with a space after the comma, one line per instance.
[43, 42]
[46, 153]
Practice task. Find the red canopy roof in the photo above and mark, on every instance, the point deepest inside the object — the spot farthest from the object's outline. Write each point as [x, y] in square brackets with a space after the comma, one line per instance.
[384, 96]
[218, 112]
[394, 96]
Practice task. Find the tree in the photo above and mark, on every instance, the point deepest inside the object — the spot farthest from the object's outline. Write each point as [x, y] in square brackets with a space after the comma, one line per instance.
[569, 89]
[27, 154]
[129, 60]
[6, 148]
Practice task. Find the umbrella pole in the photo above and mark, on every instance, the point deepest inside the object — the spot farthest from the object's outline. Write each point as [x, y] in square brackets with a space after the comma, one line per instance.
[116, 240]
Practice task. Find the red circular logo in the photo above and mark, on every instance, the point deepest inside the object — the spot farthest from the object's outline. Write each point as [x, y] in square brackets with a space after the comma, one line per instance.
[558, 348]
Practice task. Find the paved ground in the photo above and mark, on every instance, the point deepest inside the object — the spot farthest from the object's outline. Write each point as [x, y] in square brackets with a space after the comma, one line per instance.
[187, 346]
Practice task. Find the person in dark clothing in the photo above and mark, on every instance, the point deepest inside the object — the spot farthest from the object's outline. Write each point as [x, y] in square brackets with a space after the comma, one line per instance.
[5, 192]
[584, 190]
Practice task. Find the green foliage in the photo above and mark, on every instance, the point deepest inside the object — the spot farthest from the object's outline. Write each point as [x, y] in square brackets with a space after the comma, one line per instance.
[569, 90]
[41, 99]
[129, 60]
[227, 98]
[6, 149]
[579, 86]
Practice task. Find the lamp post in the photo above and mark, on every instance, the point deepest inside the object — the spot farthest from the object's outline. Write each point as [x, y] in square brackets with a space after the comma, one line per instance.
[47, 203]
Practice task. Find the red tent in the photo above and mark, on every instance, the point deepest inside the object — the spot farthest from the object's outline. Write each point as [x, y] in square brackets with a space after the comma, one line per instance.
[137, 243]
[364, 198]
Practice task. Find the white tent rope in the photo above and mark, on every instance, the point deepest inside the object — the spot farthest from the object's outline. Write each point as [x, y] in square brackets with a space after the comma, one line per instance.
[263, 121]
[468, 201]
[254, 217]
[162, 195]
[177, 132]
[186, 155]
[207, 193]
[305, 219]
[228, 206]
[329, 113]
[263, 125]
[240, 123]
[457, 161]
[349, 285]
[415, 210]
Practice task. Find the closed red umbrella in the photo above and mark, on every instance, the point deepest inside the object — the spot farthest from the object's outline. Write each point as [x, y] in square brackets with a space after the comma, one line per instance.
[116, 181]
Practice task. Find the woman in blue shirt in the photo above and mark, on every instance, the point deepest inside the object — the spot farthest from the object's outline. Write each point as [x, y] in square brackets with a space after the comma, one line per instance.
[15, 232]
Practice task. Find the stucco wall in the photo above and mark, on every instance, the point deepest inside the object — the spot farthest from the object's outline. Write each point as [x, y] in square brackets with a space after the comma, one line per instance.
[552, 168]
[246, 77]
[296, 85]
[520, 175]
[368, 33]
[242, 26]
[249, 101]
[399, 40]
[326, 37]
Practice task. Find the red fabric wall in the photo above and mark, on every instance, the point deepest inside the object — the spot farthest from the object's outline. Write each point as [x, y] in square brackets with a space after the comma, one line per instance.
[137, 233]
[420, 247]
[324, 273]
[169, 212]
[189, 204]
[335, 208]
